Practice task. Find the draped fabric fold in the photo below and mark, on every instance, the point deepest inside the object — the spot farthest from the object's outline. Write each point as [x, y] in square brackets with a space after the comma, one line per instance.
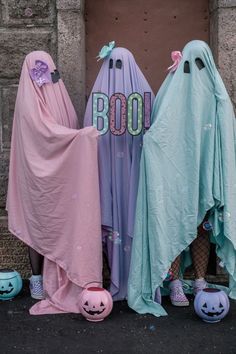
[119, 157]
[53, 193]
[188, 168]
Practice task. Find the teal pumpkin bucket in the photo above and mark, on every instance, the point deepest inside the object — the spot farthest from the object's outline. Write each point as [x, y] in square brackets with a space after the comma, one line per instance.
[10, 284]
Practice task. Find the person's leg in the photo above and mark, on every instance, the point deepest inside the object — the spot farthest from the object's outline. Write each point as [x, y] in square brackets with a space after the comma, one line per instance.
[200, 249]
[36, 262]
[36, 280]
[175, 268]
[177, 295]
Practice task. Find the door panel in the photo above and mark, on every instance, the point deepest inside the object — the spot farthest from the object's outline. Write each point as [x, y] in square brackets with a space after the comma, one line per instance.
[150, 29]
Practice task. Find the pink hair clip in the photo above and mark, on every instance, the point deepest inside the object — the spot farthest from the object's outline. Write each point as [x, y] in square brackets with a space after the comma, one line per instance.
[176, 56]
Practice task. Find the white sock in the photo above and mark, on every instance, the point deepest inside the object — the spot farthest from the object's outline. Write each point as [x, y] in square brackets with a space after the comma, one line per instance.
[199, 279]
[36, 277]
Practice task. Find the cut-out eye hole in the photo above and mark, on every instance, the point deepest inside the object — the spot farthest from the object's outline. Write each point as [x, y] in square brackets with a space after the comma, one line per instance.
[118, 64]
[86, 303]
[10, 284]
[220, 306]
[205, 305]
[102, 304]
[186, 67]
[55, 76]
[110, 63]
[199, 63]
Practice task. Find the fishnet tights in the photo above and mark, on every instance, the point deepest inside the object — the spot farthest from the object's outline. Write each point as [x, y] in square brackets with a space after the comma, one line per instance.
[200, 249]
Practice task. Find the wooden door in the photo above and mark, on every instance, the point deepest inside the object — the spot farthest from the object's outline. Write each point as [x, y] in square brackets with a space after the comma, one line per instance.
[150, 29]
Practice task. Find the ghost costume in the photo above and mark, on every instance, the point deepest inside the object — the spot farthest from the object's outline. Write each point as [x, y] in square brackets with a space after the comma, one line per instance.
[119, 158]
[188, 168]
[53, 193]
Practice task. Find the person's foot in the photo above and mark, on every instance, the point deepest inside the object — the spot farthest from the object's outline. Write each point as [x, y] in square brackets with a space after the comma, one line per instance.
[177, 296]
[198, 285]
[36, 287]
[157, 297]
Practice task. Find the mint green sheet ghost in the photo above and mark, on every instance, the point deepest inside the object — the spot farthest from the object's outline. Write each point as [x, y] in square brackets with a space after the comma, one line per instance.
[188, 167]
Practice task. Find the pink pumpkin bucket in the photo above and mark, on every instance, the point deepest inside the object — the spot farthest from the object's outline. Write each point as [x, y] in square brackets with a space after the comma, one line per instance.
[95, 304]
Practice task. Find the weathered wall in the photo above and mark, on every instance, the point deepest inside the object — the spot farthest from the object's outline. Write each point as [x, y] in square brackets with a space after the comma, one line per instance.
[71, 50]
[57, 26]
[223, 40]
[26, 25]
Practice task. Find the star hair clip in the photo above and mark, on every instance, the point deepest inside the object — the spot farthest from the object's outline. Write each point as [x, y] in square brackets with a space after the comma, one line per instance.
[41, 74]
[106, 50]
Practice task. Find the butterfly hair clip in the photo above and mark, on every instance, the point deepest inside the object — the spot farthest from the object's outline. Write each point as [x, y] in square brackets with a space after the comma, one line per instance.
[106, 50]
[41, 74]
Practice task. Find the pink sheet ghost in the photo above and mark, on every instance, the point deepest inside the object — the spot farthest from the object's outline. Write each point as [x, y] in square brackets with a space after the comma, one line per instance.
[53, 193]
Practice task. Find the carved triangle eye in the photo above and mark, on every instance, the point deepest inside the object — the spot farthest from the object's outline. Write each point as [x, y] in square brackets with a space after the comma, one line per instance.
[86, 303]
[10, 284]
[205, 305]
[102, 304]
[221, 306]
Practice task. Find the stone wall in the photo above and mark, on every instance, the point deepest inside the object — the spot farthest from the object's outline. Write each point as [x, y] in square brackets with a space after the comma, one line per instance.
[223, 41]
[57, 26]
[26, 25]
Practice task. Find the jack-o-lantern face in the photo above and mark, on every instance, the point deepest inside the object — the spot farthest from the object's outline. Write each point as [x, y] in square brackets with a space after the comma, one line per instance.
[212, 311]
[211, 304]
[95, 310]
[95, 303]
[8, 290]
[10, 283]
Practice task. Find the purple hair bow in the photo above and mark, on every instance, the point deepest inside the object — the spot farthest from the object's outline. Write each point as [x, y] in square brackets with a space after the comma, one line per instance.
[40, 73]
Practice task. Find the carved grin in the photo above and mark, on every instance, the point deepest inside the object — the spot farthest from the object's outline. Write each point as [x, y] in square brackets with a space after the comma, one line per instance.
[90, 312]
[212, 314]
[2, 292]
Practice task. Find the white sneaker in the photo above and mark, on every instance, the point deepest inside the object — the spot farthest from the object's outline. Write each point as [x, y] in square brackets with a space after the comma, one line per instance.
[36, 287]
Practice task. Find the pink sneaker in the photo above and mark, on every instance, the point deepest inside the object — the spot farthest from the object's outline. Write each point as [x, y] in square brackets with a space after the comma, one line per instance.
[198, 285]
[177, 296]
